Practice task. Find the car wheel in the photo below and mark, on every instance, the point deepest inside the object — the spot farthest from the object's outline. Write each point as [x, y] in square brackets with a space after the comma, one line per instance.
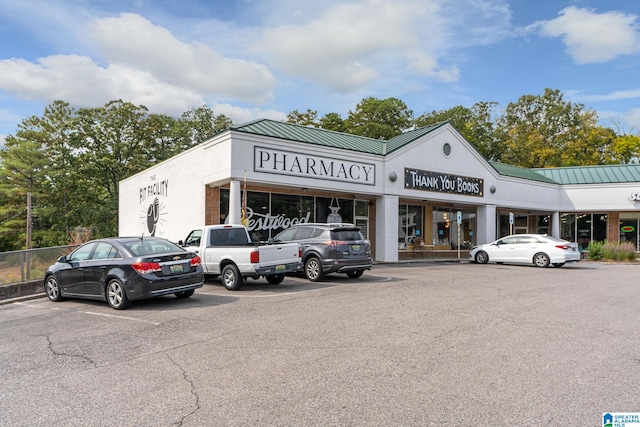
[52, 288]
[184, 294]
[275, 279]
[116, 295]
[354, 274]
[541, 260]
[231, 278]
[558, 264]
[313, 269]
[482, 257]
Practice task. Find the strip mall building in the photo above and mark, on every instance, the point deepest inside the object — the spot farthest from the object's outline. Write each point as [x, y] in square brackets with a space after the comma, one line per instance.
[424, 193]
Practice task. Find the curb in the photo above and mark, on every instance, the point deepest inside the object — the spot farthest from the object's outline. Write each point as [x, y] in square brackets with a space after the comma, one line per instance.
[23, 298]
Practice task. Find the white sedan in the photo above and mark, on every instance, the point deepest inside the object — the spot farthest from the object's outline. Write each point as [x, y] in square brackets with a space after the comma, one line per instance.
[537, 249]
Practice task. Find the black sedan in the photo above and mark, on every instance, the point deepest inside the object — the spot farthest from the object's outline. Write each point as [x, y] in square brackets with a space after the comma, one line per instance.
[123, 269]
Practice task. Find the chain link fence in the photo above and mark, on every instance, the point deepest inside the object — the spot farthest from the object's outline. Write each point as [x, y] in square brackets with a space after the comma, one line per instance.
[27, 265]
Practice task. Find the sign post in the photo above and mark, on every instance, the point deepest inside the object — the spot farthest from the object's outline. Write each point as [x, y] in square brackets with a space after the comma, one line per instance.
[510, 222]
[459, 221]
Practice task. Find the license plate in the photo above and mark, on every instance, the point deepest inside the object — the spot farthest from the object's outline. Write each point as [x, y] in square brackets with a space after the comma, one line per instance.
[355, 247]
[176, 268]
[280, 268]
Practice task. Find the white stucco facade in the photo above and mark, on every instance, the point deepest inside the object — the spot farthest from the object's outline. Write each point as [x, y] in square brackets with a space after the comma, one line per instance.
[431, 178]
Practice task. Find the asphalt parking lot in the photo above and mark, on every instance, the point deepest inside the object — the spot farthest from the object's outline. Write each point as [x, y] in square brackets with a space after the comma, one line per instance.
[404, 345]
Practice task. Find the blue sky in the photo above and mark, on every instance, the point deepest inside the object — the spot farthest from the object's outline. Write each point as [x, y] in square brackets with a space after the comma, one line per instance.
[264, 58]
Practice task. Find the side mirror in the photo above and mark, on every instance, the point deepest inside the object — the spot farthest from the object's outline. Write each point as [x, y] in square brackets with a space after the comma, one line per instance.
[62, 259]
[180, 243]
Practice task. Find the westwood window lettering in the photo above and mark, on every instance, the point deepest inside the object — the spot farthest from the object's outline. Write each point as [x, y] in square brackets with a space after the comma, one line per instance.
[290, 163]
[258, 222]
[443, 183]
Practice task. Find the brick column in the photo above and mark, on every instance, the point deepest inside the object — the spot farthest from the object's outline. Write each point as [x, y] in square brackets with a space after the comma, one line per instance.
[613, 226]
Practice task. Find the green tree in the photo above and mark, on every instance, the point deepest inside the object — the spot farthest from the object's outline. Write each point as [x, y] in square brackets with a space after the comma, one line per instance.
[23, 163]
[71, 161]
[30, 163]
[196, 125]
[475, 124]
[460, 118]
[624, 149]
[333, 121]
[307, 118]
[379, 118]
[537, 129]
[111, 143]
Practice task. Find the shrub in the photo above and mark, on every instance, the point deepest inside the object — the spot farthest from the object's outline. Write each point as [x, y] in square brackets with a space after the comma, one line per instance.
[595, 250]
[616, 251]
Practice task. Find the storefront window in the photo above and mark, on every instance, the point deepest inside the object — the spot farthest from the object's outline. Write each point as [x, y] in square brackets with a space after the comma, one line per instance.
[599, 227]
[410, 225]
[629, 228]
[442, 228]
[520, 224]
[568, 227]
[334, 210]
[543, 224]
[362, 208]
[361, 212]
[270, 213]
[446, 231]
[583, 225]
[582, 228]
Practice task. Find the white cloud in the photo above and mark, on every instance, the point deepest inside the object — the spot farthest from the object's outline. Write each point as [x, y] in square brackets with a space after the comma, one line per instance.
[349, 45]
[241, 115]
[613, 96]
[623, 122]
[592, 37]
[133, 41]
[79, 81]
[329, 50]
[145, 65]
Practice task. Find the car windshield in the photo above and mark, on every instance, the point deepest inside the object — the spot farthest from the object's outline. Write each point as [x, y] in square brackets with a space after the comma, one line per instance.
[144, 247]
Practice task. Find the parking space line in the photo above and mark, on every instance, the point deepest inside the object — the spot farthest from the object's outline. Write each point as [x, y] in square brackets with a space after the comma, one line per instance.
[237, 295]
[120, 317]
[115, 316]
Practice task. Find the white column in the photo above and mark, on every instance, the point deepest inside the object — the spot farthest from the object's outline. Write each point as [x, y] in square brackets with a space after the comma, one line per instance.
[235, 202]
[555, 224]
[387, 228]
[486, 224]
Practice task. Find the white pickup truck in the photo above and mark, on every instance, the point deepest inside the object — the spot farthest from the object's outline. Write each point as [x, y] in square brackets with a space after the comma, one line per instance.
[227, 251]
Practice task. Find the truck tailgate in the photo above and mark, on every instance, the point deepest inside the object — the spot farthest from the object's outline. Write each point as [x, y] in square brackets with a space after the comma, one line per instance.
[280, 253]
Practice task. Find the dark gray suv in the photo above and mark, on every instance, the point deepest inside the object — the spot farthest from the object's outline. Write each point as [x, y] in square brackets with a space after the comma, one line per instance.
[330, 248]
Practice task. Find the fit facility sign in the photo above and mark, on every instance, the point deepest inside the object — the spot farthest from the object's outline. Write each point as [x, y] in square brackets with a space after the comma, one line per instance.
[416, 179]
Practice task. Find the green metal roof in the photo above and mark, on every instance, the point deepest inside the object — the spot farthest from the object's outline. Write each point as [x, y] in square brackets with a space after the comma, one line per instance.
[408, 137]
[518, 172]
[311, 135]
[327, 138]
[603, 174]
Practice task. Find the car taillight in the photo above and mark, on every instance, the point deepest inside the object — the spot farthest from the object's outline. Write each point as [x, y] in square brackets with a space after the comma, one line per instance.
[299, 251]
[145, 267]
[335, 243]
[195, 261]
[255, 257]
[563, 247]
